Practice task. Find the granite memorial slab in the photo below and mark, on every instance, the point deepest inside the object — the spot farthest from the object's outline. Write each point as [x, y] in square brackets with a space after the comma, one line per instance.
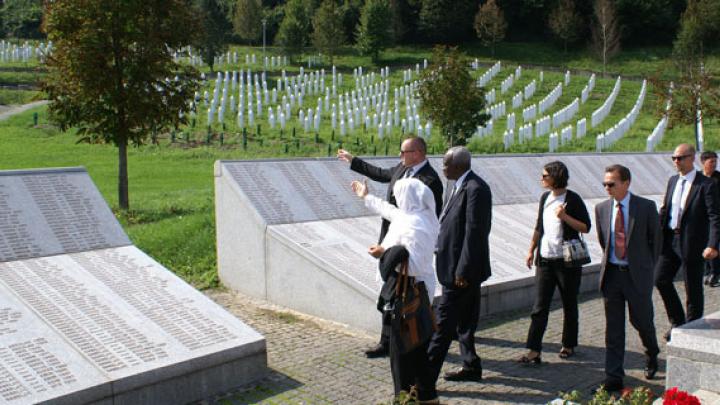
[85, 317]
[693, 361]
[308, 249]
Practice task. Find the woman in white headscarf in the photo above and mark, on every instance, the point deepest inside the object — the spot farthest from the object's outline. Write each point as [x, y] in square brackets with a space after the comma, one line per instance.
[413, 232]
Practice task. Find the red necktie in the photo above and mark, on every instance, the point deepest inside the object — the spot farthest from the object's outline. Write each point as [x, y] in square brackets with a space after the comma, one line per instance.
[619, 233]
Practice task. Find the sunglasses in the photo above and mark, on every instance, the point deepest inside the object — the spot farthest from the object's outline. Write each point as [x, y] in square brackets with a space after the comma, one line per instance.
[679, 157]
[608, 184]
[545, 176]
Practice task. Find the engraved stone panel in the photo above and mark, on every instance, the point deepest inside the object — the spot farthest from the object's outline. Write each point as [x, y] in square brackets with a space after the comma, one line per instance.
[116, 310]
[288, 191]
[85, 317]
[49, 212]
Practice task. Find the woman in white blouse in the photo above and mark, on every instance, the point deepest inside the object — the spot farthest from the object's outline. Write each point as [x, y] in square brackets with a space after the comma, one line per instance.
[562, 216]
[413, 230]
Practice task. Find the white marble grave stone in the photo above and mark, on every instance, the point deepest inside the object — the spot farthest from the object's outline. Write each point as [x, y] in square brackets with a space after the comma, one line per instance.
[87, 318]
[291, 231]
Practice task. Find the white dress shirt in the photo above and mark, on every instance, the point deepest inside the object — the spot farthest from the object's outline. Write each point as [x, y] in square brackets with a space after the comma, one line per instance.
[678, 200]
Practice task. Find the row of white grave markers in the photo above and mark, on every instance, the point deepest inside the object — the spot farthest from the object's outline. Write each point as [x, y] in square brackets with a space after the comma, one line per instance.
[525, 133]
[659, 131]
[496, 110]
[486, 130]
[510, 121]
[367, 104]
[508, 138]
[542, 126]
[599, 115]
[510, 80]
[550, 99]
[617, 131]
[10, 52]
[566, 113]
[581, 128]
[553, 142]
[587, 89]
[485, 78]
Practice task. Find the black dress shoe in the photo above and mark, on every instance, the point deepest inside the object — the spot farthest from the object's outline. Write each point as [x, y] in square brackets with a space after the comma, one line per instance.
[714, 280]
[612, 385]
[376, 351]
[464, 374]
[651, 367]
[668, 335]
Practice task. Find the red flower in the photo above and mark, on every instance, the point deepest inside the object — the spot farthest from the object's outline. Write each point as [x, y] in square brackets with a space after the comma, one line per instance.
[674, 396]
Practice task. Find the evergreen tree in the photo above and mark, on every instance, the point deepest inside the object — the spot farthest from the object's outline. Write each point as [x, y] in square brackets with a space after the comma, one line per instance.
[565, 22]
[115, 87]
[447, 21]
[490, 24]
[328, 31]
[295, 27]
[21, 18]
[247, 19]
[213, 17]
[374, 33]
[450, 98]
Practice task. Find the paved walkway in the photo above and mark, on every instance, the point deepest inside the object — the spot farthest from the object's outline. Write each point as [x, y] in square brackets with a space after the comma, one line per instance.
[8, 111]
[316, 362]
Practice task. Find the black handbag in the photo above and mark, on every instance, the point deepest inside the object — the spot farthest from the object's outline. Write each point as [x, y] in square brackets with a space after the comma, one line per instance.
[411, 315]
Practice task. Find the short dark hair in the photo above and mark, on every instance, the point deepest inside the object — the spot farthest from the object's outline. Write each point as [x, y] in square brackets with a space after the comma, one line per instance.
[558, 172]
[621, 170]
[419, 142]
[708, 155]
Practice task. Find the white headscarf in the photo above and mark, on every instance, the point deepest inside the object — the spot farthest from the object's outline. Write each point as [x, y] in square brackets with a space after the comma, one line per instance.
[413, 224]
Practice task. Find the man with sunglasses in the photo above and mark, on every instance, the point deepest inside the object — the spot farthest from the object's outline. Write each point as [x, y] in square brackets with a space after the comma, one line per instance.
[690, 223]
[627, 228]
[708, 159]
[413, 163]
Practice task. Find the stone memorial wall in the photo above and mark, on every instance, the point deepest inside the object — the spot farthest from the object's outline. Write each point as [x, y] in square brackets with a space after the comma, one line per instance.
[85, 317]
[292, 232]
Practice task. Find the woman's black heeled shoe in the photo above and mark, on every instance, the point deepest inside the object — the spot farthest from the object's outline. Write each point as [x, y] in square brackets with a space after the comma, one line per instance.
[566, 353]
[529, 360]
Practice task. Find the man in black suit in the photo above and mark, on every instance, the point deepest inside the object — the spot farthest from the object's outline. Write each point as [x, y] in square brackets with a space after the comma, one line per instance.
[462, 264]
[708, 159]
[413, 163]
[690, 222]
[628, 231]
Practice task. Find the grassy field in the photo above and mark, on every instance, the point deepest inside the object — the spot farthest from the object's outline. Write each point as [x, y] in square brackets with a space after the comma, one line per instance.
[171, 184]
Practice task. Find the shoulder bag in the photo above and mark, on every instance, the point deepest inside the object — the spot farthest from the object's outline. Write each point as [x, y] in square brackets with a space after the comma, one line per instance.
[412, 318]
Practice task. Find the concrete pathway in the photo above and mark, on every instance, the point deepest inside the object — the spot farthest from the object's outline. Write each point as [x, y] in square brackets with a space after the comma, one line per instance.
[316, 362]
[8, 111]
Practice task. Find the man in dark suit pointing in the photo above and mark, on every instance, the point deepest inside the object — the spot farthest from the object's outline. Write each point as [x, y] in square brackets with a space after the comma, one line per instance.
[462, 264]
[628, 231]
[413, 163]
[690, 222]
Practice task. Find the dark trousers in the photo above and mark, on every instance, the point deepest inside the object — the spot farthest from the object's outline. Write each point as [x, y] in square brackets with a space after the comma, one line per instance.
[411, 369]
[551, 274]
[712, 267]
[669, 264]
[456, 311]
[618, 288]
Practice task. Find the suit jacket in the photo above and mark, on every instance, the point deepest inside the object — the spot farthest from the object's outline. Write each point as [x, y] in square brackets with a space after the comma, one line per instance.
[426, 174]
[463, 242]
[643, 239]
[700, 220]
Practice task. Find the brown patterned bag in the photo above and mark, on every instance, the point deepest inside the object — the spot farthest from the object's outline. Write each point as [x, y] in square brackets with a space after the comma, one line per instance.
[413, 322]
